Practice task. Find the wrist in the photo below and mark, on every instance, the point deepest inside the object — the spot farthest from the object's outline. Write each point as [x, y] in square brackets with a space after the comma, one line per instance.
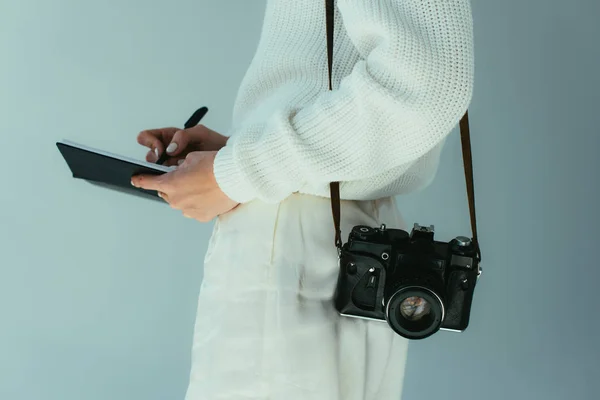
[230, 178]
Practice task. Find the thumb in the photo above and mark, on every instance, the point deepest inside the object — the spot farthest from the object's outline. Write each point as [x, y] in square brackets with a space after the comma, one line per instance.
[180, 141]
[148, 182]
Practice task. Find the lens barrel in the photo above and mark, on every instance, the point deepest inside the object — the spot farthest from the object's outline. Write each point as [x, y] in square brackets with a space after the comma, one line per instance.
[415, 312]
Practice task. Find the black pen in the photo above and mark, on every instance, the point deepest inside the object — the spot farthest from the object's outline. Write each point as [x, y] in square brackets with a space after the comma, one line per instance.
[193, 121]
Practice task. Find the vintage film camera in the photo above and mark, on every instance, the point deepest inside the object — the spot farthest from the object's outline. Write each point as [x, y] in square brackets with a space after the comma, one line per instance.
[416, 284]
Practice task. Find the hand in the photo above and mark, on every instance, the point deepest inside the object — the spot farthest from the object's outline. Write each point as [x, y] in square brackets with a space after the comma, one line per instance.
[179, 143]
[191, 188]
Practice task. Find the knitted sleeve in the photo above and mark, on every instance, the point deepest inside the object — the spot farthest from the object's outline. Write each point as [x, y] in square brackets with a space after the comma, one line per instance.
[410, 88]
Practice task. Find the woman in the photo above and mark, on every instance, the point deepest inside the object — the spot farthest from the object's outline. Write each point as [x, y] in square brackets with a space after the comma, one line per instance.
[266, 327]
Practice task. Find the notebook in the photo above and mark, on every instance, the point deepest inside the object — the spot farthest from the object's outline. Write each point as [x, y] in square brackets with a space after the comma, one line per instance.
[109, 170]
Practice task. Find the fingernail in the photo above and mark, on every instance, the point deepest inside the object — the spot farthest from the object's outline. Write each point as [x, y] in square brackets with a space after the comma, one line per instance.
[172, 147]
[180, 162]
[156, 152]
[133, 183]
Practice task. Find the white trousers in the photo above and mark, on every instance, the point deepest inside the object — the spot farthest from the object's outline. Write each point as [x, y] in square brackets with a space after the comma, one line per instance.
[266, 328]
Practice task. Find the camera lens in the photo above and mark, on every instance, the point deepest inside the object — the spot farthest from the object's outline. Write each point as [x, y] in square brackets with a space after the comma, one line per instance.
[415, 312]
[414, 308]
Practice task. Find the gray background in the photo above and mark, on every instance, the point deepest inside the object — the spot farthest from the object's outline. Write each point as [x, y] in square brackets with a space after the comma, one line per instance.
[98, 290]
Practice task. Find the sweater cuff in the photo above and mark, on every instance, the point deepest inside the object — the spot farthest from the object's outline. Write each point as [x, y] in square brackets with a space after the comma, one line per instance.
[230, 177]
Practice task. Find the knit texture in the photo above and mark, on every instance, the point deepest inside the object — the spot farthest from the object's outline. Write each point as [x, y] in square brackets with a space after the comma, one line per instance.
[402, 77]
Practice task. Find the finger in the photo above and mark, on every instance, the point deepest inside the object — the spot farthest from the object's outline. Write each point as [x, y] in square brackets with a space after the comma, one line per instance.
[163, 196]
[198, 134]
[149, 136]
[174, 161]
[194, 137]
[148, 182]
[156, 139]
[151, 156]
[170, 162]
[179, 143]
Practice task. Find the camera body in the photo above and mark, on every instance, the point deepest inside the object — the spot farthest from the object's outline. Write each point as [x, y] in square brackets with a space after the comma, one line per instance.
[416, 284]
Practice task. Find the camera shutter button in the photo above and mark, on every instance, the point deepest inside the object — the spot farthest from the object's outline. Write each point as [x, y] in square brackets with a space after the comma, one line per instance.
[463, 241]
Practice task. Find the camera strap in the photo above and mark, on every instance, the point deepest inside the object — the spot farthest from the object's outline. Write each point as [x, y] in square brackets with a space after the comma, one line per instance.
[465, 142]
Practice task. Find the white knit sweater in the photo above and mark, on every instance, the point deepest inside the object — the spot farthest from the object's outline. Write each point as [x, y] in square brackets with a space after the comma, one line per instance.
[402, 79]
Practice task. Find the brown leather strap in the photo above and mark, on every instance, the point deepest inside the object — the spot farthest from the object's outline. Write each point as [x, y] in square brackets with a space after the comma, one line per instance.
[330, 23]
[465, 141]
[334, 187]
